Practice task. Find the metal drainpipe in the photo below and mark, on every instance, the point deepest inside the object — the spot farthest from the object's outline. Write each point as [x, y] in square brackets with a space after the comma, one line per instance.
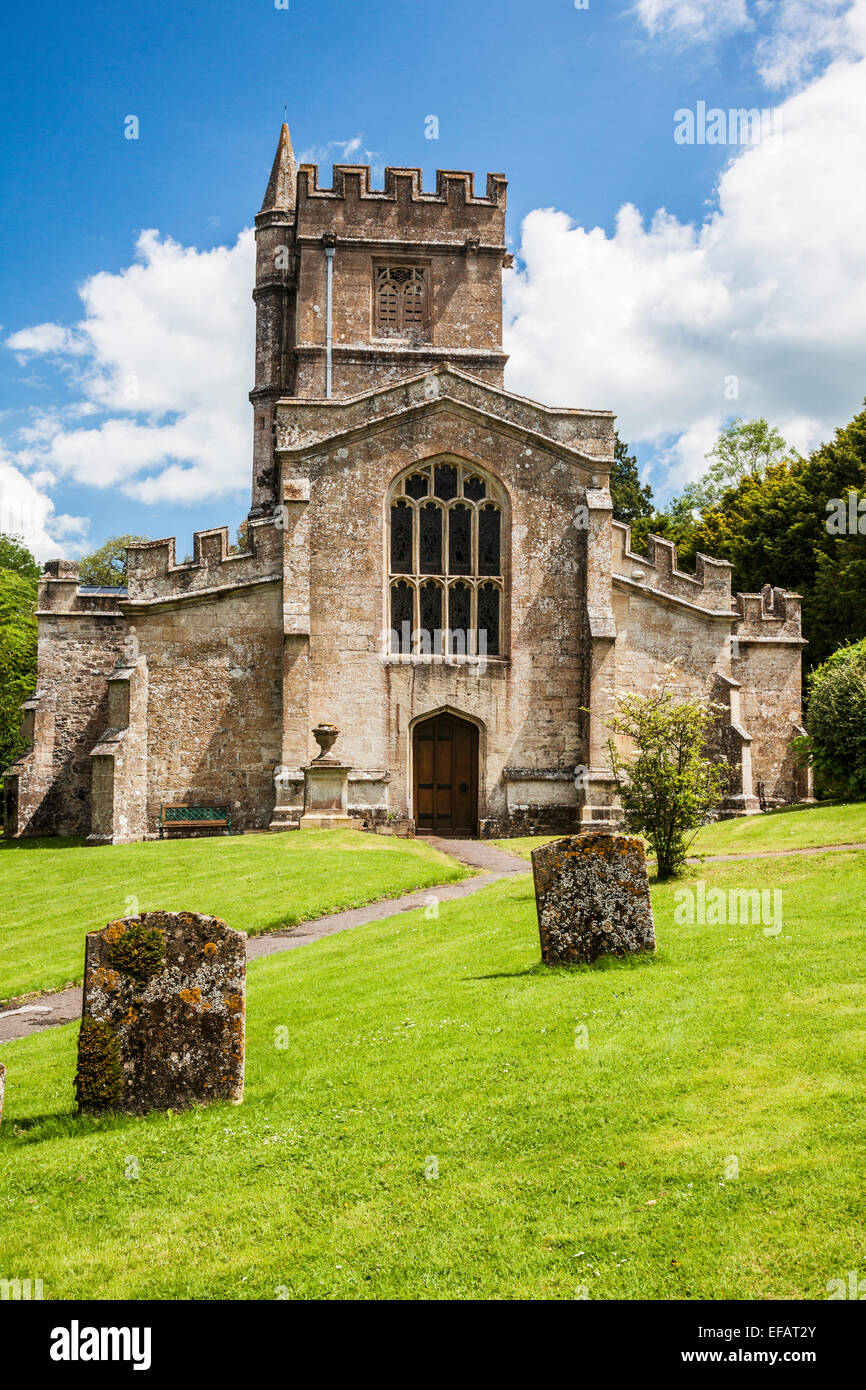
[329, 255]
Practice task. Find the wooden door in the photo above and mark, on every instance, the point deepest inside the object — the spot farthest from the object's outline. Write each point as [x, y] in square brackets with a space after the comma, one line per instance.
[445, 756]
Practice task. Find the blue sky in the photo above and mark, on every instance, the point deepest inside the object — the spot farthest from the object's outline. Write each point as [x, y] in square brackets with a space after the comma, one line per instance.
[575, 106]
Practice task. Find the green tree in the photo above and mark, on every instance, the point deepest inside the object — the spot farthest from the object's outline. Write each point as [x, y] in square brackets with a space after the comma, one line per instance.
[630, 499]
[670, 787]
[107, 565]
[744, 449]
[15, 556]
[836, 720]
[774, 527]
[678, 523]
[17, 657]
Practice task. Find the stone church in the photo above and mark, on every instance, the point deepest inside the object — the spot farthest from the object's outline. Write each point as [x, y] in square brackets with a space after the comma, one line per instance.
[430, 564]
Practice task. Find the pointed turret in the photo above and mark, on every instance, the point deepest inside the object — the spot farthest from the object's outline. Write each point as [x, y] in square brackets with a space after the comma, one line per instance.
[280, 194]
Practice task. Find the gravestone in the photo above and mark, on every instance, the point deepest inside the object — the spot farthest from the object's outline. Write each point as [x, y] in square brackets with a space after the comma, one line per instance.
[592, 898]
[2, 1089]
[162, 1024]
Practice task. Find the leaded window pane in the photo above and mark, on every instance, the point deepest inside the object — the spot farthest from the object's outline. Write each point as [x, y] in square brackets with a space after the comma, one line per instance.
[474, 488]
[400, 298]
[431, 619]
[401, 538]
[459, 618]
[488, 619]
[387, 300]
[417, 486]
[401, 618]
[413, 301]
[430, 542]
[488, 540]
[445, 481]
[460, 540]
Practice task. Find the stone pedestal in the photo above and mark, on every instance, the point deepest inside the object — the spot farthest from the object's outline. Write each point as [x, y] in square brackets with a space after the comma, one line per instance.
[326, 796]
[326, 787]
[592, 897]
[288, 794]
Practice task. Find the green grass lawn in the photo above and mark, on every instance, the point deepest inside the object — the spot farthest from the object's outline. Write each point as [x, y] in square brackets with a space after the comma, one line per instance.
[419, 1047]
[804, 827]
[54, 891]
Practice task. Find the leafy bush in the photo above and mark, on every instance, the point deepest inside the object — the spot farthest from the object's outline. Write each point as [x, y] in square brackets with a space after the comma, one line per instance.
[17, 657]
[836, 720]
[670, 788]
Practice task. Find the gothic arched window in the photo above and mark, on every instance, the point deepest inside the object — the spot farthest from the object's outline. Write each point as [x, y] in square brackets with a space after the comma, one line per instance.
[446, 585]
[400, 300]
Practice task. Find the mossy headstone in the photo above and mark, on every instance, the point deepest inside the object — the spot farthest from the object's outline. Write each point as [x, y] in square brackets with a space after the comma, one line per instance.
[592, 898]
[163, 1016]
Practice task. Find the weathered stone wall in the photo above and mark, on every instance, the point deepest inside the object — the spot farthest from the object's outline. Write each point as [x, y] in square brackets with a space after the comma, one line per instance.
[527, 702]
[81, 638]
[768, 664]
[119, 759]
[207, 677]
[214, 702]
[456, 236]
[749, 643]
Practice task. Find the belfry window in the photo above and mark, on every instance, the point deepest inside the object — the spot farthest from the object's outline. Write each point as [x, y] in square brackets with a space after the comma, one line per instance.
[446, 586]
[400, 294]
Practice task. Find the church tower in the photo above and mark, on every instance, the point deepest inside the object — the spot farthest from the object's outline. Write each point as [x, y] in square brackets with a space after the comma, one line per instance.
[357, 287]
[275, 296]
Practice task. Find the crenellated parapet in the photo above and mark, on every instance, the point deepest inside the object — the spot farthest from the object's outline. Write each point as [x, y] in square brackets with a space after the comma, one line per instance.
[773, 615]
[402, 210]
[709, 588]
[155, 576]
[61, 592]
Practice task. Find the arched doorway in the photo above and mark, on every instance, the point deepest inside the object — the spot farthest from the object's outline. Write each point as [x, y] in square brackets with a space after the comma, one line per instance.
[445, 761]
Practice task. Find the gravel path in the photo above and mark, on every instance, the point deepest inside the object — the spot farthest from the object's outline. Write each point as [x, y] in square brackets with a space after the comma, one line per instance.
[50, 1010]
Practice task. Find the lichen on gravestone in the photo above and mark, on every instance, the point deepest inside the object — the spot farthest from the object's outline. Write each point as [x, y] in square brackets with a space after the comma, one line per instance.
[592, 898]
[99, 1079]
[163, 1014]
[136, 949]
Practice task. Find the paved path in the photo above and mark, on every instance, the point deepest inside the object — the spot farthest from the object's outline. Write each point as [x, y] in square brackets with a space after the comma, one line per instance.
[770, 854]
[64, 1005]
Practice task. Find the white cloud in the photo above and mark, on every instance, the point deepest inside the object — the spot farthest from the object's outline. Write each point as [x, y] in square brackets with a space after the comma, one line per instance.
[654, 320]
[690, 20]
[803, 34]
[26, 511]
[791, 37]
[161, 362]
[350, 151]
[45, 338]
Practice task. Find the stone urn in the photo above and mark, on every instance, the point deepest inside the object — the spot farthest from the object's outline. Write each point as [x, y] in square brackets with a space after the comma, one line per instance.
[326, 787]
[326, 736]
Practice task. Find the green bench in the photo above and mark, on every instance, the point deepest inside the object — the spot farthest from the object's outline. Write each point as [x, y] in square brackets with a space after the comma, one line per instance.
[173, 816]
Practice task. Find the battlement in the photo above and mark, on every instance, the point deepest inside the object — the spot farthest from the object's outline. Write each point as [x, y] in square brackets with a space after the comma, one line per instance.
[772, 615]
[61, 592]
[402, 209]
[353, 181]
[156, 577]
[709, 587]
